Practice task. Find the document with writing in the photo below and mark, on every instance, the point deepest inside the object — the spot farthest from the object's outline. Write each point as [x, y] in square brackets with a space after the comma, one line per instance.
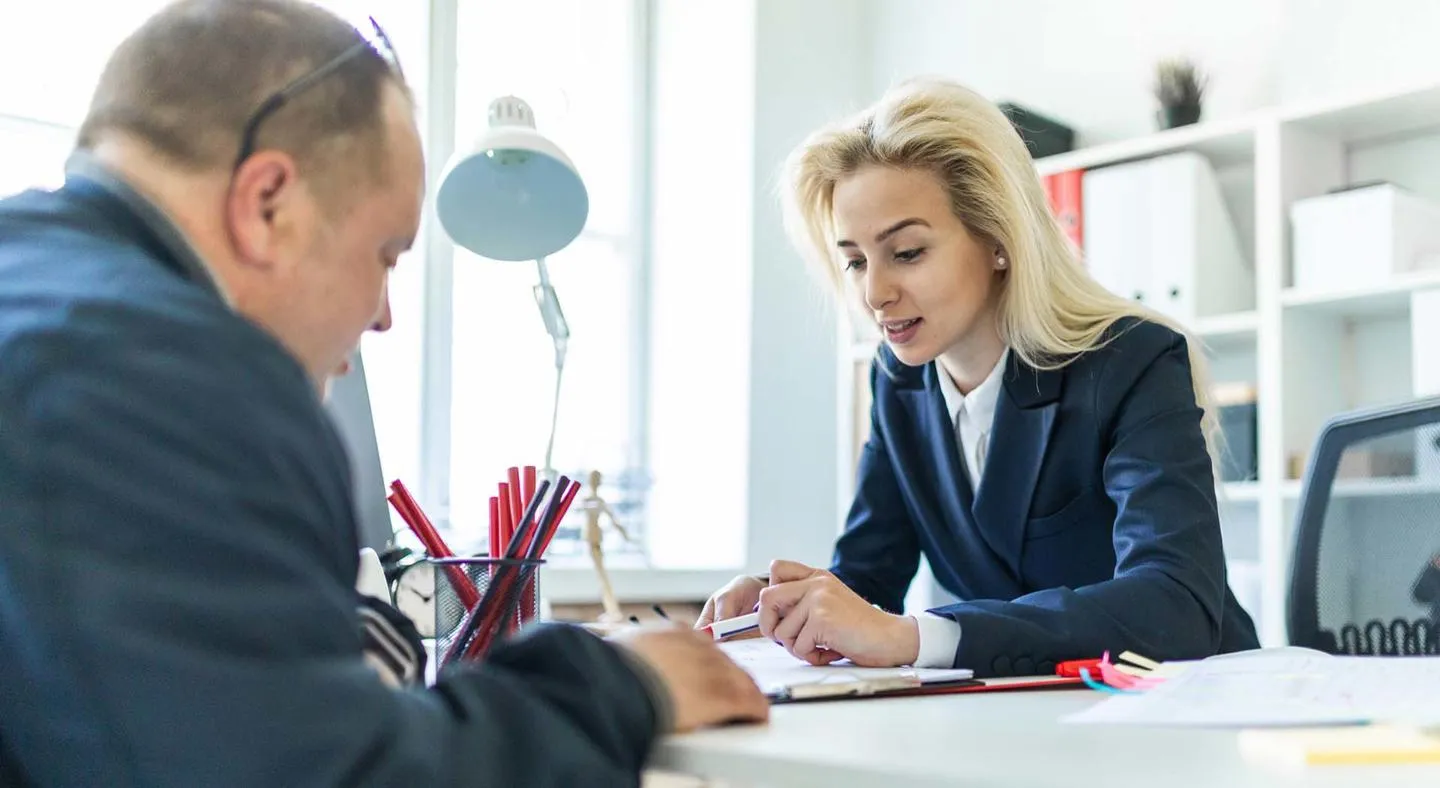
[776, 670]
[1282, 687]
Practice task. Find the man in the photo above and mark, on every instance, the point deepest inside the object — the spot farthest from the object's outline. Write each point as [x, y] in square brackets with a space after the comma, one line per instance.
[177, 541]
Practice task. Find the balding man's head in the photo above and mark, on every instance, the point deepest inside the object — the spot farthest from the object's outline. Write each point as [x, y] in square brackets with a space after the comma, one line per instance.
[301, 221]
[190, 78]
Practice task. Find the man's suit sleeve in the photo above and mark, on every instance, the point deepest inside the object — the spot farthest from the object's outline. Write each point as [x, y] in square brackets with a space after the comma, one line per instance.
[878, 553]
[199, 598]
[1167, 594]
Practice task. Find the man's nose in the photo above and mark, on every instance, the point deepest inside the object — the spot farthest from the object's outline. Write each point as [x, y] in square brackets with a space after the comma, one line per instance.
[383, 318]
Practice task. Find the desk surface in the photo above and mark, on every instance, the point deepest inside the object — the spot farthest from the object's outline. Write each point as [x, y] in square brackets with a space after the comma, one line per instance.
[988, 739]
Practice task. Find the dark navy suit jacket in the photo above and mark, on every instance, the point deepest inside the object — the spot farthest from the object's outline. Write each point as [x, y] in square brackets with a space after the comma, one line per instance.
[178, 554]
[1095, 525]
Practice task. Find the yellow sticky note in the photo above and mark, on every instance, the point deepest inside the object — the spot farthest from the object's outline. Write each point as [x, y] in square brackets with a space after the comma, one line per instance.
[1358, 744]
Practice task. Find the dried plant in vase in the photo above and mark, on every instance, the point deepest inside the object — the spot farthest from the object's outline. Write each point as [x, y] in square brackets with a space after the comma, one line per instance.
[1180, 89]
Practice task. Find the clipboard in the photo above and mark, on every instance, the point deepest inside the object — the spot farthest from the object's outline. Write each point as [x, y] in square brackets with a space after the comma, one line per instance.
[1006, 684]
[908, 688]
[895, 686]
[785, 679]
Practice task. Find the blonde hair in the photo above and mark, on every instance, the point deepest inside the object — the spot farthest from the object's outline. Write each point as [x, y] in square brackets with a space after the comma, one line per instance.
[1050, 309]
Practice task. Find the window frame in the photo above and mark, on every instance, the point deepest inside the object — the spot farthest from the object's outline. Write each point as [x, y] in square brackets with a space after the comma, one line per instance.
[438, 333]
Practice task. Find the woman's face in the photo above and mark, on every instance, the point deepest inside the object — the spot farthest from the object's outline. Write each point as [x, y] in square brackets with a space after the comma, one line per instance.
[928, 283]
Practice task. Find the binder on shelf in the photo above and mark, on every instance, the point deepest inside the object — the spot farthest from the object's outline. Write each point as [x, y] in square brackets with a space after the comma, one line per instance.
[1158, 231]
[1237, 407]
[1066, 195]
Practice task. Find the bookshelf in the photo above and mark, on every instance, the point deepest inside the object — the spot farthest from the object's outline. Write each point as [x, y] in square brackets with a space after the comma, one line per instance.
[1310, 353]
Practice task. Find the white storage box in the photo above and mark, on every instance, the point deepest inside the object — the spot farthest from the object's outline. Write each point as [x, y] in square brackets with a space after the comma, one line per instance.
[1158, 231]
[1361, 237]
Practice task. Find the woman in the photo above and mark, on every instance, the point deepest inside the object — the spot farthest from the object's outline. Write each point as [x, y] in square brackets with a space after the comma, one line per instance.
[1043, 442]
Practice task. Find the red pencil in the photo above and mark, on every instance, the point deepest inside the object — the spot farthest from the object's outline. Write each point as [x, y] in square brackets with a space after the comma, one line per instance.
[494, 524]
[482, 624]
[517, 505]
[527, 489]
[410, 512]
[506, 595]
[507, 521]
[409, 509]
[494, 530]
[564, 507]
[537, 547]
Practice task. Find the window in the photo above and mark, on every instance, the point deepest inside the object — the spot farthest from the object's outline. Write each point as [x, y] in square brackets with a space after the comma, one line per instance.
[39, 119]
[393, 360]
[39, 115]
[584, 67]
[577, 63]
[32, 153]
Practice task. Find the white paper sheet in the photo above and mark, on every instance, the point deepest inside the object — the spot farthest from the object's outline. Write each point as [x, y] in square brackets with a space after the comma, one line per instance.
[775, 669]
[1282, 687]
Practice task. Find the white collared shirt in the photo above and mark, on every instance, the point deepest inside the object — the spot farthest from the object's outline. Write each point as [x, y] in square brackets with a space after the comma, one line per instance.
[972, 416]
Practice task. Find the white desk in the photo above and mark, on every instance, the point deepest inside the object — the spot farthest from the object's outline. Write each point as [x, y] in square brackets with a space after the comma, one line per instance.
[988, 739]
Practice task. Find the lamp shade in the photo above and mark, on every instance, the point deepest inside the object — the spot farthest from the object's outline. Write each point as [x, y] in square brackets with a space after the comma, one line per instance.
[513, 194]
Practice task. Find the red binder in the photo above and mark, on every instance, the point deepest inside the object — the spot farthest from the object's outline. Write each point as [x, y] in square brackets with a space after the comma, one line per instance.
[1064, 190]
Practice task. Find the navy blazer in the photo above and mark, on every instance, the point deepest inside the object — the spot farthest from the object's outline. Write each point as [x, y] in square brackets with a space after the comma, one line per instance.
[1095, 526]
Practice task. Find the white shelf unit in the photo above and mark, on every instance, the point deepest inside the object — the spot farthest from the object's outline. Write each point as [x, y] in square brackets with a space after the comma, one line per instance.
[1309, 354]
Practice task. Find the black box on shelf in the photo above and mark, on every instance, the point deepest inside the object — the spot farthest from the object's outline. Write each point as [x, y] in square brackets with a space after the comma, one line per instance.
[1043, 136]
[1238, 456]
[1235, 405]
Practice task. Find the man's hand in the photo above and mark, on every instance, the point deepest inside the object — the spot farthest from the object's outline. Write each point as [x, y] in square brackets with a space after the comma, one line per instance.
[737, 598]
[820, 620]
[706, 687]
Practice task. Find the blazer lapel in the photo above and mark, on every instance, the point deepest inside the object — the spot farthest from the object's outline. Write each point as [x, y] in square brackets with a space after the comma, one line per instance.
[937, 435]
[1024, 415]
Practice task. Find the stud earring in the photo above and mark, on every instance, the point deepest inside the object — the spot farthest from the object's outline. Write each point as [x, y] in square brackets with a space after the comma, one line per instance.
[1000, 263]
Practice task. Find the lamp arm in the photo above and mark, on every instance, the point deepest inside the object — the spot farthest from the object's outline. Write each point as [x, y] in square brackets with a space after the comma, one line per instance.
[559, 330]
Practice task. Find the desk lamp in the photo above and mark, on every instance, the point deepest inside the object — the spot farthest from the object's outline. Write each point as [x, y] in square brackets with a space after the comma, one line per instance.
[513, 195]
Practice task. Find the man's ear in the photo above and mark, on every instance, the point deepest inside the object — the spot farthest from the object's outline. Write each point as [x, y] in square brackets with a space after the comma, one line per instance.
[262, 192]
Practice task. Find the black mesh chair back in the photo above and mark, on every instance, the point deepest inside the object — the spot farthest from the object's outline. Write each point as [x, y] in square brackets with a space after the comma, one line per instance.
[1365, 571]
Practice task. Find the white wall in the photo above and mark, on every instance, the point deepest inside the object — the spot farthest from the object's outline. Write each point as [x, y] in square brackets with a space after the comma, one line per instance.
[701, 283]
[806, 62]
[744, 344]
[812, 66]
[1089, 63]
[1334, 47]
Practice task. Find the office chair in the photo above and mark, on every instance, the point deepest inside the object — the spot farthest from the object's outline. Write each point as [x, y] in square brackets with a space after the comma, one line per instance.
[1365, 571]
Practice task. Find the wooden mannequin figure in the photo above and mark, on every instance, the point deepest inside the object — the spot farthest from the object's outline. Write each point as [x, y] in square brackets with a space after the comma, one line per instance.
[595, 507]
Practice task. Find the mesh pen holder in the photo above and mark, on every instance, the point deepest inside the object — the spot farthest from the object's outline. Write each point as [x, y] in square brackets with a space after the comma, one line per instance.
[509, 593]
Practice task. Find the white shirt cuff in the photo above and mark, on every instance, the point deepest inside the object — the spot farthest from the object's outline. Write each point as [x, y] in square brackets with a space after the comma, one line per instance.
[939, 638]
